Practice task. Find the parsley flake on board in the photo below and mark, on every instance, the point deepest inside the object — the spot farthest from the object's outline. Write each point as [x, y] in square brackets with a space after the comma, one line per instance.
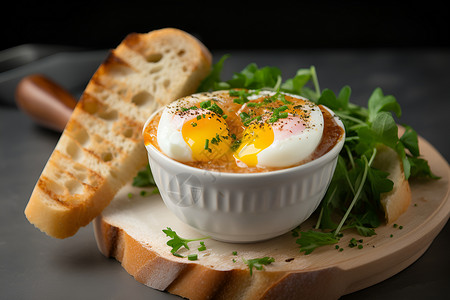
[258, 263]
[353, 197]
[310, 240]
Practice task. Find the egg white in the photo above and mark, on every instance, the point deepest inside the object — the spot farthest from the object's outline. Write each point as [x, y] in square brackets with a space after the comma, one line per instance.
[296, 148]
[169, 136]
[284, 152]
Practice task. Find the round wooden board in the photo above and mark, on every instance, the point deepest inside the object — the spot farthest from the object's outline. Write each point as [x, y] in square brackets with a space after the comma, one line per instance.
[137, 223]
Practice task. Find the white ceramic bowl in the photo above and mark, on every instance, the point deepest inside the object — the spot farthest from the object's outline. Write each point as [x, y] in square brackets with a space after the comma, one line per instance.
[247, 207]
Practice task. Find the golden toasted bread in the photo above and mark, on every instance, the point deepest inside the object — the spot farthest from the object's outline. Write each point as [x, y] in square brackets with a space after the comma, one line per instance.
[101, 147]
[397, 201]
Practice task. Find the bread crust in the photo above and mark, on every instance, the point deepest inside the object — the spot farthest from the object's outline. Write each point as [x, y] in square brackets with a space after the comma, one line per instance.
[199, 282]
[397, 201]
[101, 148]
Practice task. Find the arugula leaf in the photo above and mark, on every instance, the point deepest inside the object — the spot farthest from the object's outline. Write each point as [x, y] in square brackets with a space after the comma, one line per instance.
[378, 103]
[310, 240]
[410, 141]
[405, 160]
[421, 169]
[329, 99]
[213, 81]
[378, 183]
[385, 129]
[296, 85]
[258, 263]
[252, 77]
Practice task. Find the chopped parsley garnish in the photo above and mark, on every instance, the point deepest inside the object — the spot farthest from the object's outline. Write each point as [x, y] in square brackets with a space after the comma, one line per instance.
[235, 145]
[215, 140]
[247, 118]
[278, 114]
[192, 257]
[242, 95]
[258, 263]
[147, 193]
[212, 107]
[186, 109]
[355, 243]
[277, 97]
[202, 247]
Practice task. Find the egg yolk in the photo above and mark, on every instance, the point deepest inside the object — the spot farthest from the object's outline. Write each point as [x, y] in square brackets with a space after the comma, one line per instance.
[257, 137]
[207, 135]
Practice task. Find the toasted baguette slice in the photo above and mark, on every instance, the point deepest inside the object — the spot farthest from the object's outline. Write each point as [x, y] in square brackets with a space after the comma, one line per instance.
[397, 201]
[101, 147]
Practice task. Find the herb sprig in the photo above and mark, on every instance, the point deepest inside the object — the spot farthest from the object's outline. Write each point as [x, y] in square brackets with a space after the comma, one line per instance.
[143, 179]
[353, 196]
[176, 242]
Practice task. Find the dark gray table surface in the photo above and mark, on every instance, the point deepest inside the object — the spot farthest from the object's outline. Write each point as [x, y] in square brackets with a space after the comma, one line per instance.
[35, 266]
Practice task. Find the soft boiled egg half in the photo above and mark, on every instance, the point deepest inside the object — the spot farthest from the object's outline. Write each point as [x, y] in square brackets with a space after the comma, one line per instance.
[286, 134]
[187, 132]
[254, 129]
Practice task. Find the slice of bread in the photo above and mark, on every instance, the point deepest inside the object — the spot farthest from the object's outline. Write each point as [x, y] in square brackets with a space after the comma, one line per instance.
[397, 201]
[130, 230]
[101, 148]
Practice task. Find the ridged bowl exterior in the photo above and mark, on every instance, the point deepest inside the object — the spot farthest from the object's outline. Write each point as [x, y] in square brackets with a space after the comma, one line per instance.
[234, 207]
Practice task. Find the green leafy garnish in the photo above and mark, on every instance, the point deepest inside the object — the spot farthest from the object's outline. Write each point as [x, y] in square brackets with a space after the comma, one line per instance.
[248, 118]
[202, 246]
[310, 240]
[192, 257]
[242, 95]
[176, 242]
[352, 200]
[144, 178]
[278, 114]
[258, 263]
[212, 107]
[254, 78]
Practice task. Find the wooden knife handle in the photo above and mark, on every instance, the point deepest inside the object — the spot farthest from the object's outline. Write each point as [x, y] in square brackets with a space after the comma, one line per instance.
[45, 101]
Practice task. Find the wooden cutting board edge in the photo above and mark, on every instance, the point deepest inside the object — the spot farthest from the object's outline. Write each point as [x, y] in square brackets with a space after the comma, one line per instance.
[405, 253]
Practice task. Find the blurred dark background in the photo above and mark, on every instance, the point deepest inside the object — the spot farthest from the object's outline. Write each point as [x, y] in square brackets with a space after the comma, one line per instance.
[231, 24]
